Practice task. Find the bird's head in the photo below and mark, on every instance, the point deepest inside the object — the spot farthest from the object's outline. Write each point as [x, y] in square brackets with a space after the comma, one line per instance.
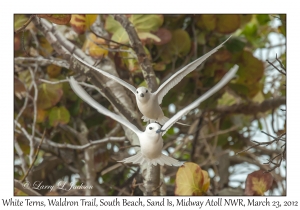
[143, 94]
[153, 129]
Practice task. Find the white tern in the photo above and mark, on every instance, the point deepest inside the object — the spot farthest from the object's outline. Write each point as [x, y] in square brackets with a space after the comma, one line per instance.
[151, 141]
[149, 103]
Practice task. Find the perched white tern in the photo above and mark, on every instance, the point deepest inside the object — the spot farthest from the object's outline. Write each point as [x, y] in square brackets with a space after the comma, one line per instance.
[147, 102]
[151, 141]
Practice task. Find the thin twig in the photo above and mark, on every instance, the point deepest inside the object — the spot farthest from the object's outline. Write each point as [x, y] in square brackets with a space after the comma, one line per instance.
[24, 25]
[85, 146]
[34, 113]
[109, 40]
[21, 156]
[42, 61]
[113, 167]
[23, 43]
[276, 67]
[70, 146]
[137, 46]
[35, 157]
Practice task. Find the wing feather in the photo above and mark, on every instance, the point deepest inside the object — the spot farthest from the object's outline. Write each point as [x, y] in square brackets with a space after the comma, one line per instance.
[88, 99]
[227, 77]
[117, 79]
[179, 75]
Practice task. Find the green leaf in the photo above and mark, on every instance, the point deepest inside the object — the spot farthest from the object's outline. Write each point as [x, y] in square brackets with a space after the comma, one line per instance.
[235, 45]
[120, 35]
[146, 23]
[263, 19]
[240, 89]
[49, 95]
[201, 38]
[250, 31]
[111, 25]
[227, 99]
[181, 42]
[209, 21]
[227, 24]
[147, 35]
[58, 115]
[179, 45]
[143, 24]
[19, 21]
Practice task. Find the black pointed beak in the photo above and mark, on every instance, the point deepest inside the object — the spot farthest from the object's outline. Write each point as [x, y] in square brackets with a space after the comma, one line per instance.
[142, 95]
[159, 130]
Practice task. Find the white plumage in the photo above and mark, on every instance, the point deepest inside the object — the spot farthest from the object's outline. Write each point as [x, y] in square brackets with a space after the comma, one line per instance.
[149, 103]
[151, 141]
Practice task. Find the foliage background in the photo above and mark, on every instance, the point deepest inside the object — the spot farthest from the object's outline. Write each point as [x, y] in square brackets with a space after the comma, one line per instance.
[228, 122]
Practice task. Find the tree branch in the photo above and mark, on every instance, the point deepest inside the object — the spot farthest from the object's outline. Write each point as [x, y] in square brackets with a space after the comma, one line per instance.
[252, 108]
[137, 46]
[113, 91]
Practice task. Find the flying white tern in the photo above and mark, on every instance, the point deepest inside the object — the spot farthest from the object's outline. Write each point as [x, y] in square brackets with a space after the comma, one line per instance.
[148, 103]
[151, 141]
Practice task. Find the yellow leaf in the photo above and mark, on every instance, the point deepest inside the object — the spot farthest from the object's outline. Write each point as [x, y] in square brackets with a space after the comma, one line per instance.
[147, 35]
[53, 70]
[227, 100]
[259, 97]
[49, 95]
[95, 46]
[209, 21]
[159, 66]
[191, 180]
[81, 23]
[46, 48]
[41, 115]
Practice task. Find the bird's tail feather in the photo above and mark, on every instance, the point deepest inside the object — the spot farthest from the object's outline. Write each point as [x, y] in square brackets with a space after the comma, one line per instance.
[146, 119]
[162, 160]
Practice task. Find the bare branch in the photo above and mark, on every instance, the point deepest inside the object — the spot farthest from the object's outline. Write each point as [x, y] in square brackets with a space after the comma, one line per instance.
[21, 156]
[252, 108]
[34, 114]
[35, 157]
[42, 61]
[85, 146]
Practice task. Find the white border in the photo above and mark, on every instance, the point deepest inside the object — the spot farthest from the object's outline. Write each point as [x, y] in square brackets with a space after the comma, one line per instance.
[8, 8]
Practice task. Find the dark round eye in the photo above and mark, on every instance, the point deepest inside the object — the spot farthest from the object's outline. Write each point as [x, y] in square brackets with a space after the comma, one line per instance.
[146, 91]
[137, 92]
[150, 128]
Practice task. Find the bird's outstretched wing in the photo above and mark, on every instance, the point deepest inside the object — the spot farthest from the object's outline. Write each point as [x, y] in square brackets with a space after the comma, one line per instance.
[180, 74]
[227, 77]
[117, 79]
[88, 99]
